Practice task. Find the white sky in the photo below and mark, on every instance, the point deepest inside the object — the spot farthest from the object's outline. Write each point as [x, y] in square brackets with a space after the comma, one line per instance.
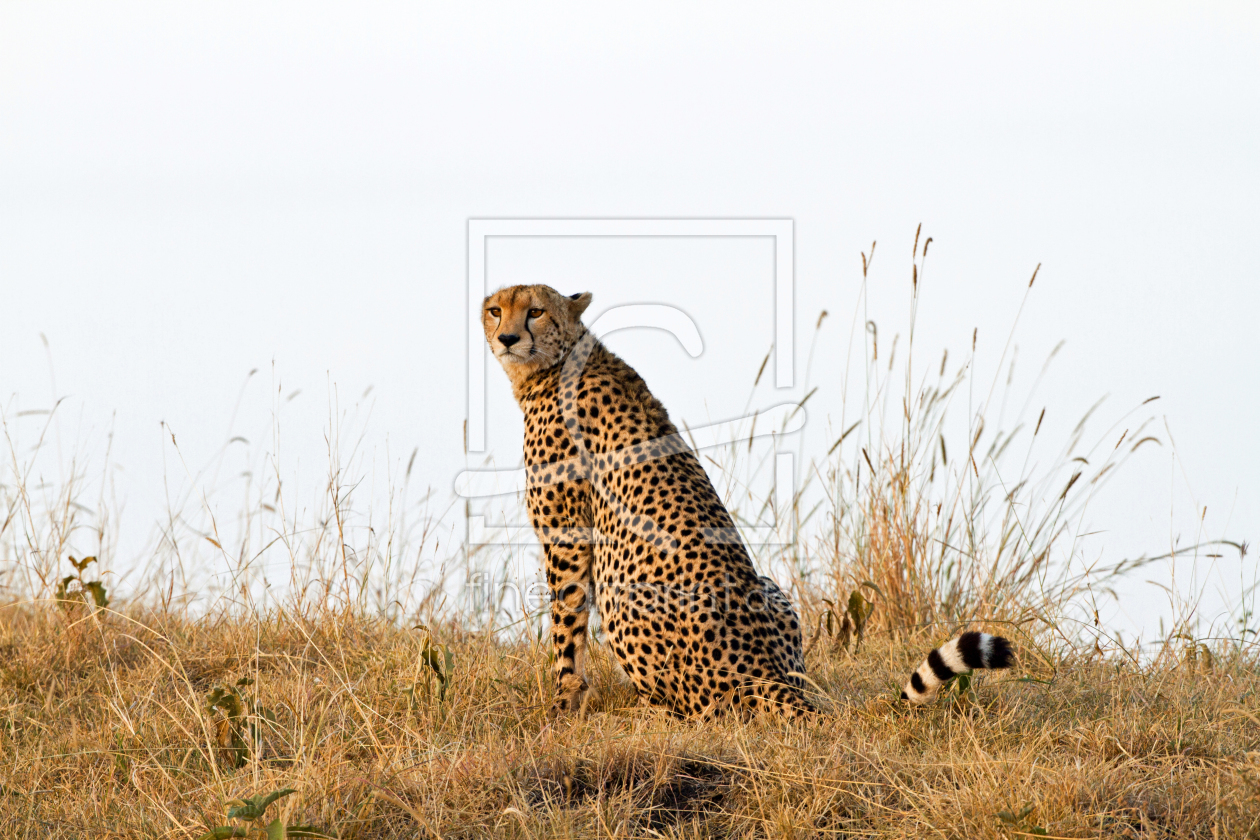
[189, 192]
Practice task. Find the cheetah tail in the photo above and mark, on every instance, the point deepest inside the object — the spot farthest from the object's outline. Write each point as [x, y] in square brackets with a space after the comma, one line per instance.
[964, 653]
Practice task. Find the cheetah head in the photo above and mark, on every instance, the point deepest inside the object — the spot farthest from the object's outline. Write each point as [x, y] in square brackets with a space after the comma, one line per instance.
[530, 328]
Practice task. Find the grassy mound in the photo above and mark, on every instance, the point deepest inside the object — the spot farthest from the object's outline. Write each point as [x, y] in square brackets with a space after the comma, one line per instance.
[107, 730]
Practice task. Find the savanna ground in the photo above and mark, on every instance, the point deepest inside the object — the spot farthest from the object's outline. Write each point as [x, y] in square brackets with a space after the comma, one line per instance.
[376, 715]
[105, 732]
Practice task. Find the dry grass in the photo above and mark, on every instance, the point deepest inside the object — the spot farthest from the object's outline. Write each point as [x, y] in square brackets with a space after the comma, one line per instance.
[386, 727]
[105, 733]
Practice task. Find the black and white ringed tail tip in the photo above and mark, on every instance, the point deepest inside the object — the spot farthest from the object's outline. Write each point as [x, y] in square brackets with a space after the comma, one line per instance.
[961, 654]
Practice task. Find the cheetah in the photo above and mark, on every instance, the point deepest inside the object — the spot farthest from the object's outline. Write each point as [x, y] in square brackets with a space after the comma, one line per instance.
[630, 522]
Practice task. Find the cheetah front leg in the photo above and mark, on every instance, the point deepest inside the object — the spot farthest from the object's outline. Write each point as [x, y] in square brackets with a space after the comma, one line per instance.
[569, 578]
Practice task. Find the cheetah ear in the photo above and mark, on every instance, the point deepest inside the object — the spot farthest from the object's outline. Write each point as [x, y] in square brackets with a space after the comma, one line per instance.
[581, 300]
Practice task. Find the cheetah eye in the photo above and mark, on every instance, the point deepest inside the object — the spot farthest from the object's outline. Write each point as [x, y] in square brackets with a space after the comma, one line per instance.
[535, 313]
[495, 311]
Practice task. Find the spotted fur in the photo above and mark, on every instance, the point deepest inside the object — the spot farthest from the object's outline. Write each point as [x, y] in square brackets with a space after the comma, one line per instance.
[630, 522]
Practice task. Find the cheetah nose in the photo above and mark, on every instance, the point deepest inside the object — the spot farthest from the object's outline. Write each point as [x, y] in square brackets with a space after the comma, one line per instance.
[509, 340]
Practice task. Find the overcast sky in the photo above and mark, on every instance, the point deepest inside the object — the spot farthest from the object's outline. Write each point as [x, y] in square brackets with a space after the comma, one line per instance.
[191, 192]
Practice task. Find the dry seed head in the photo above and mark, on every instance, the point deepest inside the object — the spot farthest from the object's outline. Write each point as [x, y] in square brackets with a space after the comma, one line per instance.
[762, 369]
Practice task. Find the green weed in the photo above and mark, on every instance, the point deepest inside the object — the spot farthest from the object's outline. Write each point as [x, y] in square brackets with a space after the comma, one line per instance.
[75, 594]
[251, 810]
